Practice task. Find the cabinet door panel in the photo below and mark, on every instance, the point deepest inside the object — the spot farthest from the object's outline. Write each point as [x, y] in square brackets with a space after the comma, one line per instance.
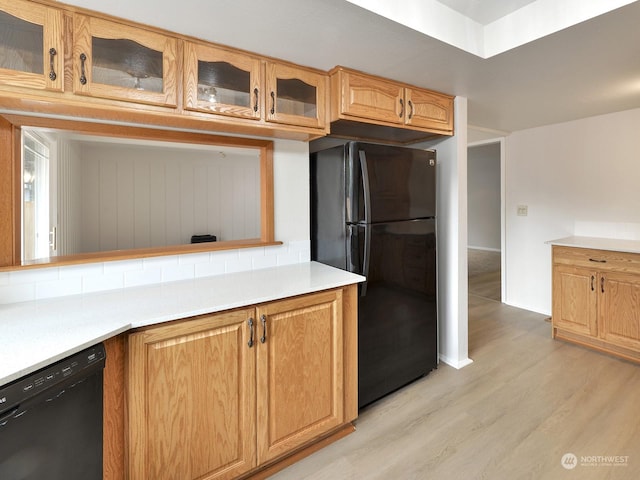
[620, 310]
[300, 372]
[295, 96]
[192, 399]
[31, 45]
[366, 97]
[124, 63]
[575, 299]
[429, 110]
[221, 81]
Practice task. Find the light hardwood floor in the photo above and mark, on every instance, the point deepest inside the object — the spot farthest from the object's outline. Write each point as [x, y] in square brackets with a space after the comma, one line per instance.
[484, 273]
[525, 402]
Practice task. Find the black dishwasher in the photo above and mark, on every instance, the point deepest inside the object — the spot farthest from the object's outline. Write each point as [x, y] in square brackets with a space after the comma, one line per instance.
[51, 421]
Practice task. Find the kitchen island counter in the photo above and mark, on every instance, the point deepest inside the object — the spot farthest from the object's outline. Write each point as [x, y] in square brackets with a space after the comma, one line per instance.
[597, 243]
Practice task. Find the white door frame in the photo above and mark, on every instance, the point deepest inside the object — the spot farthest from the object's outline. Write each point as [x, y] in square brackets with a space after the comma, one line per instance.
[503, 216]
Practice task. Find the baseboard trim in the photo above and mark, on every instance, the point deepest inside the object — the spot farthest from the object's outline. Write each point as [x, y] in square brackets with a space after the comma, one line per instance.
[457, 364]
[484, 249]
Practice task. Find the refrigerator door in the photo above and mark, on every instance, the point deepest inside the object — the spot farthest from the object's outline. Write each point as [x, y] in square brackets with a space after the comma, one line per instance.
[387, 183]
[328, 223]
[397, 320]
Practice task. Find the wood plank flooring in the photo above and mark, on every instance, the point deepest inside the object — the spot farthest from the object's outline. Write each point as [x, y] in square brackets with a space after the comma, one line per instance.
[486, 285]
[484, 273]
[526, 401]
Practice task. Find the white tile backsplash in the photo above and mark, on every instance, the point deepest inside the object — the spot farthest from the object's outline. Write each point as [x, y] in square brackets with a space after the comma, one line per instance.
[265, 261]
[209, 269]
[84, 270]
[58, 288]
[17, 293]
[33, 275]
[238, 265]
[124, 266]
[40, 283]
[172, 273]
[251, 252]
[194, 258]
[99, 283]
[141, 277]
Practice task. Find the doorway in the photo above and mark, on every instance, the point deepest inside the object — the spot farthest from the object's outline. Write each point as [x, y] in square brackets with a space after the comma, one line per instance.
[39, 208]
[484, 209]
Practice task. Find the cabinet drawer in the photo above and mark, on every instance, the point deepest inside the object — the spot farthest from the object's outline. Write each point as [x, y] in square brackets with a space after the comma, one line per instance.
[603, 260]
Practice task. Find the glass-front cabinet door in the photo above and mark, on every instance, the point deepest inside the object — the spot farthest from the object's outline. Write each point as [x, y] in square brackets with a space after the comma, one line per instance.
[295, 96]
[123, 62]
[31, 45]
[221, 81]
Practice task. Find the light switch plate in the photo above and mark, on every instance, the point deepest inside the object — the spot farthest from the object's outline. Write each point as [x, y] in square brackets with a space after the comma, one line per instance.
[523, 210]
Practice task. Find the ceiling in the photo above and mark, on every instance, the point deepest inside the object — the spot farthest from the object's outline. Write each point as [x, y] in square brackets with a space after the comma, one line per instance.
[485, 11]
[587, 69]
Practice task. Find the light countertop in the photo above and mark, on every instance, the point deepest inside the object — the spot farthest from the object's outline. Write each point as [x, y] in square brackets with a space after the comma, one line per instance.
[611, 244]
[35, 334]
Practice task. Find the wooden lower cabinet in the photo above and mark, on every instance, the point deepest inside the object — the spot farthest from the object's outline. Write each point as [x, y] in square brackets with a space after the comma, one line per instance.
[300, 372]
[596, 299]
[575, 300]
[192, 399]
[219, 396]
[620, 306]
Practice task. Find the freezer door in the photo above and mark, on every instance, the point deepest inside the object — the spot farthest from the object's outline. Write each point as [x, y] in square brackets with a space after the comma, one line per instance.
[387, 183]
[397, 321]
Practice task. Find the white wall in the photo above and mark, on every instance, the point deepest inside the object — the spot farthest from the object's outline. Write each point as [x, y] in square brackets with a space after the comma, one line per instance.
[580, 177]
[483, 196]
[148, 196]
[453, 310]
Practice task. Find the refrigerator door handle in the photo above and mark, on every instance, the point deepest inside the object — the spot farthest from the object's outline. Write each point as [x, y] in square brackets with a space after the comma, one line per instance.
[366, 259]
[352, 249]
[355, 263]
[365, 186]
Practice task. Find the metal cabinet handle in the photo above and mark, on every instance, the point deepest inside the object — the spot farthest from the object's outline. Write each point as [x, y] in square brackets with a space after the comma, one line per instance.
[273, 103]
[602, 284]
[255, 95]
[597, 261]
[401, 108]
[263, 319]
[250, 322]
[83, 78]
[52, 70]
[593, 277]
[410, 103]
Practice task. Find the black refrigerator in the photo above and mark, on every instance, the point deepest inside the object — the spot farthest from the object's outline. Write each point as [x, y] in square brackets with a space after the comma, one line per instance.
[373, 212]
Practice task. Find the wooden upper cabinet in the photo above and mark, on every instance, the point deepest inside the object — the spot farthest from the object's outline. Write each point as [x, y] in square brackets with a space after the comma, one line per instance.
[300, 372]
[359, 96]
[122, 62]
[222, 81]
[191, 404]
[429, 109]
[31, 45]
[295, 95]
[370, 98]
